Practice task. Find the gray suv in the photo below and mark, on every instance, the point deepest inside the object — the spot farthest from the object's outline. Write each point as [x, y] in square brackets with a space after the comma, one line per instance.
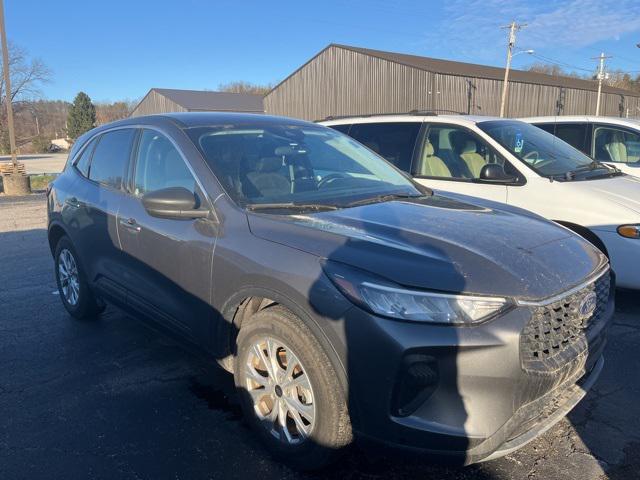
[347, 300]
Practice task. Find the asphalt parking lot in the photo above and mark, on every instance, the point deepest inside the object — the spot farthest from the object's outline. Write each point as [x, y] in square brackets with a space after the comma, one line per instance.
[116, 399]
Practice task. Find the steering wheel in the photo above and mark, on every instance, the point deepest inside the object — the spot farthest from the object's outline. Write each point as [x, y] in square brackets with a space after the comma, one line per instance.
[330, 178]
[534, 156]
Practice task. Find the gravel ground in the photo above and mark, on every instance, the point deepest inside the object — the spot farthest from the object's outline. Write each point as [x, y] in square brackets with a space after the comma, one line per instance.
[116, 399]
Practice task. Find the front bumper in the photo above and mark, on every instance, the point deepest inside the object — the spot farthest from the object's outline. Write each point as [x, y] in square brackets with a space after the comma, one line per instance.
[485, 404]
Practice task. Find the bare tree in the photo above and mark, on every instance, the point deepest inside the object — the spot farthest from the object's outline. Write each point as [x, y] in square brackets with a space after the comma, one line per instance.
[553, 69]
[109, 112]
[245, 87]
[27, 76]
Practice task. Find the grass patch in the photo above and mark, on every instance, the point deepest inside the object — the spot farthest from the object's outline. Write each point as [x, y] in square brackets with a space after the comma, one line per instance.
[40, 182]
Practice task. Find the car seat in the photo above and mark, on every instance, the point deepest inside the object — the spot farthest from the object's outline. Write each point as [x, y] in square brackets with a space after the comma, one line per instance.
[465, 148]
[265, 179]
[432, 166]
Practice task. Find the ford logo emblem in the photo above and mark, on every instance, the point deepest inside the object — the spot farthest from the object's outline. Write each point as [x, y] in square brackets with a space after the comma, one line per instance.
[587, 305]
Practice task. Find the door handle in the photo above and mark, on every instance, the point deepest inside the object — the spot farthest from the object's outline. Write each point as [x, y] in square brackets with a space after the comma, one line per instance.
[130, 224]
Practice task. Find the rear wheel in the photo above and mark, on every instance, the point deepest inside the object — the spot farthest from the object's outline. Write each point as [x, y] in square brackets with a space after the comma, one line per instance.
[289, 390]
[76, 296]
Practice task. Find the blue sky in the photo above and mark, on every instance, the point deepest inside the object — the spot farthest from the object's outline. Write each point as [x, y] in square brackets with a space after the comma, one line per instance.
[119, 49]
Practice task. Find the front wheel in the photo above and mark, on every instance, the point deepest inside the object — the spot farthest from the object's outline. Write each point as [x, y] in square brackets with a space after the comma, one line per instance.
[289, 390]
[74, 291]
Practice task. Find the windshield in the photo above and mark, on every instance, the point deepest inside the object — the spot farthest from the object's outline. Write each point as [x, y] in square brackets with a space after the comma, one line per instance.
[280, 164]
[542, 151]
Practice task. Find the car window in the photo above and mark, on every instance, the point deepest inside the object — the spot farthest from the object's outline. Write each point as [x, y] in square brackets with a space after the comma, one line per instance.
[547, 127]
[546, 154]
[341, 128]
[575, 134]
[449, 151]
[277, 163]
[160, 165]
[616, 145]
[394, 141]
[111, 156]
[82, 163]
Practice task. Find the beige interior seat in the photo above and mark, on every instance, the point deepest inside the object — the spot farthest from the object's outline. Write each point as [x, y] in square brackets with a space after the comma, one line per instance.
[472, 158]
[616, 148]
[432, 166]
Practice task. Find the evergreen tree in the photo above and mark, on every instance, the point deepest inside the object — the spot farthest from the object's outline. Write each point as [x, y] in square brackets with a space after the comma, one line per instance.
[81, 117]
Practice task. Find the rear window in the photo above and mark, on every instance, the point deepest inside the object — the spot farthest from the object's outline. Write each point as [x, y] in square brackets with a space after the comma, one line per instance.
[111, 156]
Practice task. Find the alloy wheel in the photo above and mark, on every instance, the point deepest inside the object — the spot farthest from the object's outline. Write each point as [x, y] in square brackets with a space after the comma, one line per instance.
[280, 390]
[68, 277]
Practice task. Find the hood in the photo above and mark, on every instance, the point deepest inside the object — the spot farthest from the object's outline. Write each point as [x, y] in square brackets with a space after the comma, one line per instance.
[623, 190]
[443, 244]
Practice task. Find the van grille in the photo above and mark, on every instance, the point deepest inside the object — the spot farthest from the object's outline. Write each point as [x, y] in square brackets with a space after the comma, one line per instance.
[558, 333]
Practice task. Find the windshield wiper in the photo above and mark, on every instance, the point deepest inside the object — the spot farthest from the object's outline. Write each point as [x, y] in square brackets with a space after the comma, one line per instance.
[318, 207]
[383, 198]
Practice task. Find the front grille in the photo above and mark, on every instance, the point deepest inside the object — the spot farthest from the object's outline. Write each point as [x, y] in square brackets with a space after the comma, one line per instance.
[558, 333]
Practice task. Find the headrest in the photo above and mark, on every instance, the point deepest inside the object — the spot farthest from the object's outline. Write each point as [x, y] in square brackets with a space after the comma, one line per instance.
[428, 149]
[268, 164]
[469, 147]
[617, 137]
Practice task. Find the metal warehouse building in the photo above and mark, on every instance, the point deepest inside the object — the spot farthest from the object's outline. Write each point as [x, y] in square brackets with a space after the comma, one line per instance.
[344, 80]
[164, 100]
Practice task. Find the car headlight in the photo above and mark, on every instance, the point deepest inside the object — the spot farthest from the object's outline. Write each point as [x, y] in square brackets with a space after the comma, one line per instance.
[629, 231]
[386, 299]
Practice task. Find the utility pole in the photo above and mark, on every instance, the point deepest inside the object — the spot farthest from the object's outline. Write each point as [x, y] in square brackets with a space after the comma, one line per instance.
[513, 28]
[7, 88]
[602, 75]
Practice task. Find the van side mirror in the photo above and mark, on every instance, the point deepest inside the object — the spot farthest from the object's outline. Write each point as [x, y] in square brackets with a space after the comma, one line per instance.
[494, 172]
[173, 202]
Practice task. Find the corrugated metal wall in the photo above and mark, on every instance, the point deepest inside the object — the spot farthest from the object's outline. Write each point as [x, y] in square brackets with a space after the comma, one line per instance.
[343, 82]
[155, 103]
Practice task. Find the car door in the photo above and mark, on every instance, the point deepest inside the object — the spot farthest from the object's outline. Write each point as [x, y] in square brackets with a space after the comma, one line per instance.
[617, 146]
[91, 213]
[450, 158]
[168, 277]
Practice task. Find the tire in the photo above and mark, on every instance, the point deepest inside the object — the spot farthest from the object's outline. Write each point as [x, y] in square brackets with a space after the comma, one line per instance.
[84, 305]
[324, 414]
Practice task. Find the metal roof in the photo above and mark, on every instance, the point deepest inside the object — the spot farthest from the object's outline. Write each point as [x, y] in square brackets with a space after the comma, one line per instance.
[203, 100]
[449, 67]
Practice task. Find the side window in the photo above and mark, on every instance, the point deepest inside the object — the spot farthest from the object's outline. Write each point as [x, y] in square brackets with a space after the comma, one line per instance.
[111, 156]
[159, 165]
[341, 128]
[393, 141]
[616, 145]
[82, 163]
[454, 152]
[575, 134]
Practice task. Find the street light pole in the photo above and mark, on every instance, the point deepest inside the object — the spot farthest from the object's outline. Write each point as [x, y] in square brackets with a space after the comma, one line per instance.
[513, 28]
[7, 88]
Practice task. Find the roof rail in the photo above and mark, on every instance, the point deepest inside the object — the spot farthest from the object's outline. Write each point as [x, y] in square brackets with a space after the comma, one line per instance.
[425, 113]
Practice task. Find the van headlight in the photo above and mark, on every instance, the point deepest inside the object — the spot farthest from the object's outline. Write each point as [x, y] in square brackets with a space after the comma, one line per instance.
[629, 231]
[389, 300]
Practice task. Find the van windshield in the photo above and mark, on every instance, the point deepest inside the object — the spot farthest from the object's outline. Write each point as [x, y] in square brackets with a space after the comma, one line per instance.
[543, 152]
[280, 164]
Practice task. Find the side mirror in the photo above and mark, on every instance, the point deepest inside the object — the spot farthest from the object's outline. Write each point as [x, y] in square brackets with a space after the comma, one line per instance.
[494, 172]
[173, 202]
